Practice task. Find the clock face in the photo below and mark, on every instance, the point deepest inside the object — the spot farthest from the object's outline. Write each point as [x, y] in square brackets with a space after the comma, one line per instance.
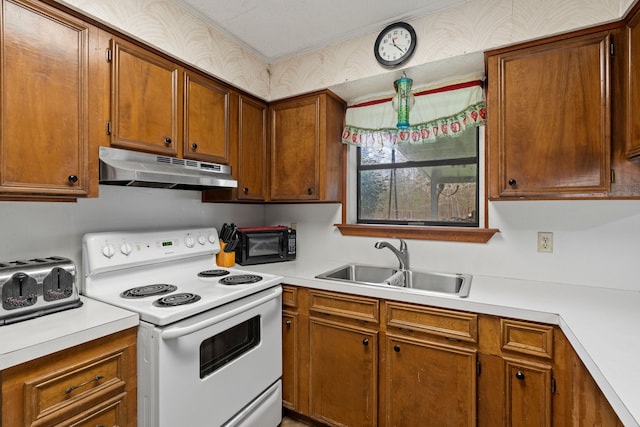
[395, 44]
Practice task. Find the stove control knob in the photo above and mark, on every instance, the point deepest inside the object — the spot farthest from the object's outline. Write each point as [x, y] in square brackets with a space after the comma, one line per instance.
[126, 248]
[202, 240]
[108, 251]
[212, 237]
[189, 241]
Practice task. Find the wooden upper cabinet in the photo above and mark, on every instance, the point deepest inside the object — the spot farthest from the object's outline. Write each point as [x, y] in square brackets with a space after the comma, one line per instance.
[548, 106]
[146, 100]
[252, 149]
[633, 81]
[206, 119]
[45, 78]
[306, 151]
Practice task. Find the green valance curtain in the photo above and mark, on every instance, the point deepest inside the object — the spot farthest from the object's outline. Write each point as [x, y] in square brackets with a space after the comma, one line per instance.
[443, 110]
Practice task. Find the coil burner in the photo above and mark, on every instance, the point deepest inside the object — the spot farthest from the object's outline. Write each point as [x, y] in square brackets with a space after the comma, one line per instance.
[148, 291]
[175, 300]
[240, 279]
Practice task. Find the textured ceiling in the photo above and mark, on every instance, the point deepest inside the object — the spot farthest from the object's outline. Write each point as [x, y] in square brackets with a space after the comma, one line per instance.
[278, 29]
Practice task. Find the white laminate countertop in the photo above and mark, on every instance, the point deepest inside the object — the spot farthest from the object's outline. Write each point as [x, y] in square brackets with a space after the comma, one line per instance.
[601, 323]
[37, 337]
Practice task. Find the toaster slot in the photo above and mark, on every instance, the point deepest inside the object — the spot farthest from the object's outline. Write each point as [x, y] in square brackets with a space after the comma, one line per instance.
[58, 284]
[21, 290]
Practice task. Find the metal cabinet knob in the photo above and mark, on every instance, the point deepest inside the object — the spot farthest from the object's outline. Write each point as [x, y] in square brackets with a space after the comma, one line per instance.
[519, 375]
[396, 348]
[513, 182]
[309, 191]
[365, 341]
[73, 179]
[245, 190]
[288, 323]
[167, 141]
[194, 146]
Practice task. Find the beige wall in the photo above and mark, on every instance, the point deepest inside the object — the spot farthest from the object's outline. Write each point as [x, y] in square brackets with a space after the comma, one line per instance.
[472, 27]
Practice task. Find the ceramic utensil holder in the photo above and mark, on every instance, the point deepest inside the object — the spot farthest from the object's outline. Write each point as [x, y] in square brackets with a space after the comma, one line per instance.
[225, 259]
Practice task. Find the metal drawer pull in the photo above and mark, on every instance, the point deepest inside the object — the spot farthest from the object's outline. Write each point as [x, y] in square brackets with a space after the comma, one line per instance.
[73, 387]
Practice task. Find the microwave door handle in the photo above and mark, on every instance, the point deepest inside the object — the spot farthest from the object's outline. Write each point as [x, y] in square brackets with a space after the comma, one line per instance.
[177, 332]
[283, 244]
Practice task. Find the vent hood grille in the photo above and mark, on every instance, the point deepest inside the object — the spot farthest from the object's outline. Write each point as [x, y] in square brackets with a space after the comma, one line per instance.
[135, 169]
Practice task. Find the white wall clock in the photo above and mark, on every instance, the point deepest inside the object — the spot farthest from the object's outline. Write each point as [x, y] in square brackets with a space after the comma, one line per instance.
[395, 44]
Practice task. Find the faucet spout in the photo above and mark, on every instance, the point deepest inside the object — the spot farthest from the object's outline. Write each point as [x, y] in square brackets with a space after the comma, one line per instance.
[402, 253]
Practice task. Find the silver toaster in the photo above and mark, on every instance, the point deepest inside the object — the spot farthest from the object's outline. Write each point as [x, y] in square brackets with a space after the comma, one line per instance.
[36, 287]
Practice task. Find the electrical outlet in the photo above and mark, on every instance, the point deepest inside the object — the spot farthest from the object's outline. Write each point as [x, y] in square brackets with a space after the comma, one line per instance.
[545, 241]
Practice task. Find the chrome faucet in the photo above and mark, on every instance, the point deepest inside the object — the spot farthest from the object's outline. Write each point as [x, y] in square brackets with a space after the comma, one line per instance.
[402, 253]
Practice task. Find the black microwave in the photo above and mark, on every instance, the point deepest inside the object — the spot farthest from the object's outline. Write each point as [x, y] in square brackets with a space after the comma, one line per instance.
[261, 245]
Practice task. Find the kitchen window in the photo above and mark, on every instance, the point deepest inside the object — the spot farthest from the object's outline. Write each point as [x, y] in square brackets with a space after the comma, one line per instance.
[424, 182]
[432, 184]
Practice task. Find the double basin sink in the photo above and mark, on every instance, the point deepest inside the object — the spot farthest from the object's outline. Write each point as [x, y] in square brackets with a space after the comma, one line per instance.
[453, 284]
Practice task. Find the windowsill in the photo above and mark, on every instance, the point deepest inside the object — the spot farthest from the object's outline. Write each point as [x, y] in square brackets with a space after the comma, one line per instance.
[448, 234]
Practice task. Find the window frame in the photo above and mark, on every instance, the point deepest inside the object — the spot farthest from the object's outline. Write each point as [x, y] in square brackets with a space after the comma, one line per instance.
[349, 226]
[417, 164]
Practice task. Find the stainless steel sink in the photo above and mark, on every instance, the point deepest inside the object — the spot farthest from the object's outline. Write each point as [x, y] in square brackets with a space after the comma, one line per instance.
[454, 284]
[358, 273]
[448, 283]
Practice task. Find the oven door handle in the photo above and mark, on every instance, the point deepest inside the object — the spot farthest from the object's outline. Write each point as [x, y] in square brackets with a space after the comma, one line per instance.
[177, 332]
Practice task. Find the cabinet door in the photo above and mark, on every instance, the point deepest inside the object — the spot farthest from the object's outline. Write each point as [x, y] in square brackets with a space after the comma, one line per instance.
[252, 149]
[549, 119]
[145, 100]
[342, 374]
[296, 133]
[633, 99]
[90, 382]
[528, 393]
[44, 135]
[206, 119]
[289, 360]
[429, 384]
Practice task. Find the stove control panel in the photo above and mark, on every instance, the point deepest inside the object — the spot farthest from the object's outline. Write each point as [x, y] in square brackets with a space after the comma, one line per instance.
[108, 251]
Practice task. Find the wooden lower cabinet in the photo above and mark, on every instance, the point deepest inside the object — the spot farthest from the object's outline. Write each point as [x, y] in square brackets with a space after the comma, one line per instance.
[589, 407]
[289, 359]
[428, 383]
[343, 373]
[88, 385]
[528, 393]
[359, 361]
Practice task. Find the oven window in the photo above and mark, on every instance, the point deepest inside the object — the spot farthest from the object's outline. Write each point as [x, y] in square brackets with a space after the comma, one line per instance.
[264, 245]
[217, 351]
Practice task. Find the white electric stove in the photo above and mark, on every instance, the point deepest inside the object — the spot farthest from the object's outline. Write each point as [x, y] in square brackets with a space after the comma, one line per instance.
[209, 340]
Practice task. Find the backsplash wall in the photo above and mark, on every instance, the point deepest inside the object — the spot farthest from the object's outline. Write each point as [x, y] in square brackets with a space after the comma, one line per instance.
[595, 242]
[39, 229]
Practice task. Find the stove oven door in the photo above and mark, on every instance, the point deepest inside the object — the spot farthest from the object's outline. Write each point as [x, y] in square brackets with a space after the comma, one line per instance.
[208, 369]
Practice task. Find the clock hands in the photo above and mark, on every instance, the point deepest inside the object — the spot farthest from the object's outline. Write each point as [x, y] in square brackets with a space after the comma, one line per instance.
[393, 41]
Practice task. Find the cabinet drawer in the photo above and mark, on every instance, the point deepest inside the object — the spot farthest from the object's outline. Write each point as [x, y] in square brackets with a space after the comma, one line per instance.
[445, 323]
[346, 306]
[108, 414]
[527, 338]
[86, 382]
[289, 296]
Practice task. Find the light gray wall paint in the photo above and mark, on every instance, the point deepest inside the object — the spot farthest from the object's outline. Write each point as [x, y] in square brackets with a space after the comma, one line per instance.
[39, 229]
[596, 243]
